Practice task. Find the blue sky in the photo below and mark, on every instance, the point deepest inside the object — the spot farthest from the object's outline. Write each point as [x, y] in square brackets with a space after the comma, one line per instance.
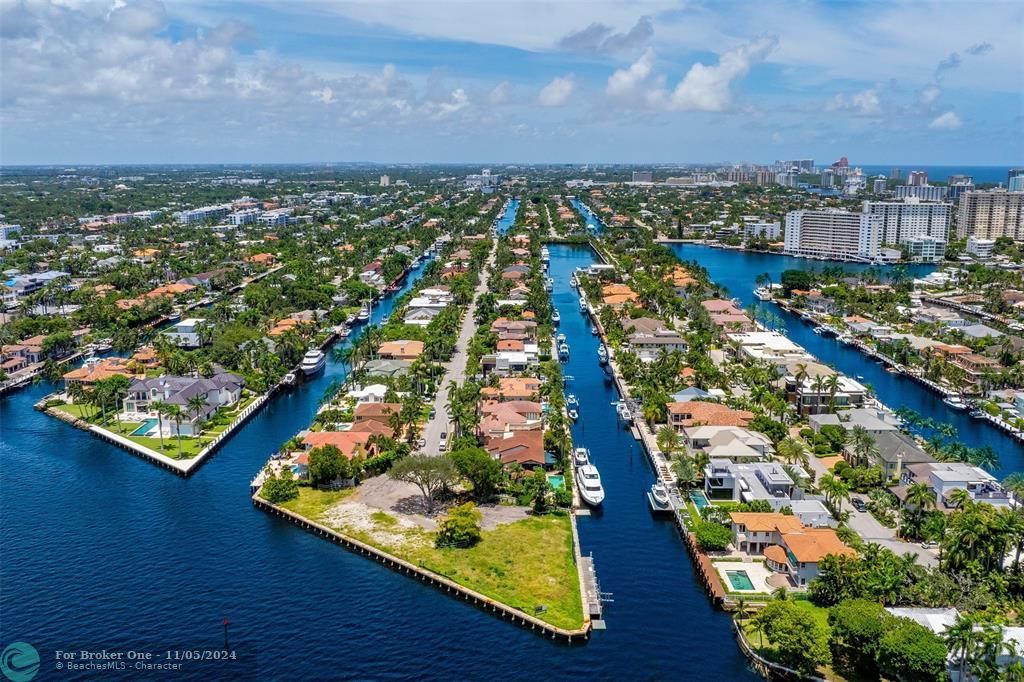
[135, 81]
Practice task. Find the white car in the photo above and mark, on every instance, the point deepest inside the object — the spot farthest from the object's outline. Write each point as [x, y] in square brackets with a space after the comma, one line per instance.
[444, 440]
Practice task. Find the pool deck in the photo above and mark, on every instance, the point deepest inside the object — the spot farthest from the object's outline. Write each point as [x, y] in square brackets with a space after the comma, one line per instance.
[755, 570]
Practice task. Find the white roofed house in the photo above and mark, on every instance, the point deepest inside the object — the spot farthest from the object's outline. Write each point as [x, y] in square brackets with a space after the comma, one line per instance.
[731, 443]
[647, 346]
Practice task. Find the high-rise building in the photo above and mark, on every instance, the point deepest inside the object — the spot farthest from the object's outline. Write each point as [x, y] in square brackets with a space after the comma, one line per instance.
[1016, 183]
[894, 174]
[834, 234]
[911, 220]
[764, 177]
[787, 179]
[805, 165]
[385, 181]
[828, 178]
[879, 185]
[1013, 173]
[956, 189]
[643, 176]
[959, 178]
[917, 179]
[922, 192]
[991, 214]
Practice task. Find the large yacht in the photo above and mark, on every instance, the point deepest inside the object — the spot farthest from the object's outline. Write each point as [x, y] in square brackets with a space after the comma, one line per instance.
[313, 361]
[589, 482]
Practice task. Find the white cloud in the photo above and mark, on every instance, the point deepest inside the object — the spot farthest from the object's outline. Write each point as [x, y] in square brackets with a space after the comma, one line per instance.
[624, 82]
[930, 93]
[946, 121]
[708, 88]
[598, 38]
[501, 93]
[558, 91]
[324, 95]
[863, 103]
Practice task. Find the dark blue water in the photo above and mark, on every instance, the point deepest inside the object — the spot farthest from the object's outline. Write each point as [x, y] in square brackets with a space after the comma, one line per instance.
[100, 548]
[737, 271]
[981, 174]
[589, 217]
[509, 218]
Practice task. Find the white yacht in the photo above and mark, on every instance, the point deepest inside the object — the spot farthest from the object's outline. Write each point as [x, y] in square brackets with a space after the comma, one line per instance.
[563, 350]
[588, 480]
[364, 313]
[602, 355]
[556, 318]
[545, 255]
[549, 284]
[581, 456]
[313, 361]
[573, 414]
[289, 379]
[583, 304]
[571, 400]
[658, 497]
[956, 402]
[624, 412]
[560, 338]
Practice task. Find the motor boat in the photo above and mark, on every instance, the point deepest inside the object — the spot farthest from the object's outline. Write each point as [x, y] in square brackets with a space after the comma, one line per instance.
[556, 318]
[313, 361]
[573, 281]
[289, 379]
[658, 497]
[602, 355]
[364, 313]
[956, 402]
[624, 412]
[571, 400]
[588, 480]
[573, 414]
[545, 255]
[560, 338]
[384, 320]
[580, 457]
[583, 304]
[563, 350]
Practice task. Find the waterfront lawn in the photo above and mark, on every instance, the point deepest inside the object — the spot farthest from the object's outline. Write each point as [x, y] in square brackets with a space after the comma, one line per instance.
[763, 646]
[524, 564]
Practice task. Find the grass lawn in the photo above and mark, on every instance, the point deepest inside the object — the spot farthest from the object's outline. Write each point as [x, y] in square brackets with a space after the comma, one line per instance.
[813, 612]
[525, 564]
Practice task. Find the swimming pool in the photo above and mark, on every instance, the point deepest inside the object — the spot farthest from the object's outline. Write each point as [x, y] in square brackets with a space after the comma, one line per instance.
[557, 481]
[700, 500]
[740, 580]
[145, 427]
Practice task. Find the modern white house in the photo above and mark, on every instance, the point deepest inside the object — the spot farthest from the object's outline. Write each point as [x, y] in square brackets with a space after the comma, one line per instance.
[221, 390]
[186, 333]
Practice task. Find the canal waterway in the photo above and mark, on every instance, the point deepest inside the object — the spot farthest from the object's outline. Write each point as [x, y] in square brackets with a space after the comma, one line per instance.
[102, 549]
[590, 219]
[737, 272]
[507, 220]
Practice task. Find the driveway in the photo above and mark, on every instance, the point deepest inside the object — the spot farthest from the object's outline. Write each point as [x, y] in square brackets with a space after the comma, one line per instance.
[455, 369]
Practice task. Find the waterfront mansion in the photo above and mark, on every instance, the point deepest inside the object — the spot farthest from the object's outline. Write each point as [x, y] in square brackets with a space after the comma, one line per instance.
[220, 390]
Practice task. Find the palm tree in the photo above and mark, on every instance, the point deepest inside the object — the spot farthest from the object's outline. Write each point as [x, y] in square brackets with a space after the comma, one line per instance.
[160, 407]
[961, 640]
[863, 445]
[668, 439]
[175, 413]
[195, 407]
[792, 451]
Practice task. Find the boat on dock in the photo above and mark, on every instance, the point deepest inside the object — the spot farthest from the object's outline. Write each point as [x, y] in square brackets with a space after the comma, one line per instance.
[584, 307]
[313, 361]
[573, 414]
[588, 480]
[956, 402]
[545, 255]
[563, 351]
[289, 379]
[763, 294]
[581, 457]
[658, 497]
[625, 414]
[364, 313]
[560, 338]
[556, 318]
[549, 284]
[602, 355]
[571, 400]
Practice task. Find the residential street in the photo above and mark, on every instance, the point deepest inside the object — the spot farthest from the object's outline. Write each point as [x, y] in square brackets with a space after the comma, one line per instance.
[455, 369]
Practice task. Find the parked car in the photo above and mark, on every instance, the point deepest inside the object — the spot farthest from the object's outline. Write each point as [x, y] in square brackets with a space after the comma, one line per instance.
[433, 412]
[858, 504]
[444, 440]
[928, 544]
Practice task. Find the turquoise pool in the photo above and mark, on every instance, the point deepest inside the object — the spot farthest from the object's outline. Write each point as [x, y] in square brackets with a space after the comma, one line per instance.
[700, 500]
[145, 427]
[557, 481]
[740, 580]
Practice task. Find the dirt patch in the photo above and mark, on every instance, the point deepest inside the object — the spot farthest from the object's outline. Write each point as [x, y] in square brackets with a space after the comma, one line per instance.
[358, 519]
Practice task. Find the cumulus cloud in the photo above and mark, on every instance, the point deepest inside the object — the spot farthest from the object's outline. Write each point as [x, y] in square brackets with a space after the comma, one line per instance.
[501, 93]
[708, 88]
[930, 93]
[863, 103]
[558, 91]
[946, 121]
[324, 95]
[625, 82]
[598, 38]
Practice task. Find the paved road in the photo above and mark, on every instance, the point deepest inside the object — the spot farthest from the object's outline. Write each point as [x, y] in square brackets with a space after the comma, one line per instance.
[455, 369]
[870, 530]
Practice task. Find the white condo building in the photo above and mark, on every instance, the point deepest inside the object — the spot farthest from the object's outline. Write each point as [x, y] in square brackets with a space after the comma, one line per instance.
[923, 192]
[834, 234]
[911, 220]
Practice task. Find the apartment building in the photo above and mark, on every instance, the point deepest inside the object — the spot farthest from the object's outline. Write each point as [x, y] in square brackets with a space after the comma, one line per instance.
[835, 234]
[918, 225]
[991, 214]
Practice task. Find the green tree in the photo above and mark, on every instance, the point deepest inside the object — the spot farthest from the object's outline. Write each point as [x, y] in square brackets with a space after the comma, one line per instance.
[799, 642]
[327, 463]
[482, 471]
[685, 470]
[857, 625]
[461, 527]
[431, 474]
[278, 489]
[909, 651]
[668, 439]
[712, 536]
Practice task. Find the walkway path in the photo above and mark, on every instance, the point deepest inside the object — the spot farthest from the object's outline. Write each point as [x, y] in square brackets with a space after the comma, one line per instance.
[455, 369]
